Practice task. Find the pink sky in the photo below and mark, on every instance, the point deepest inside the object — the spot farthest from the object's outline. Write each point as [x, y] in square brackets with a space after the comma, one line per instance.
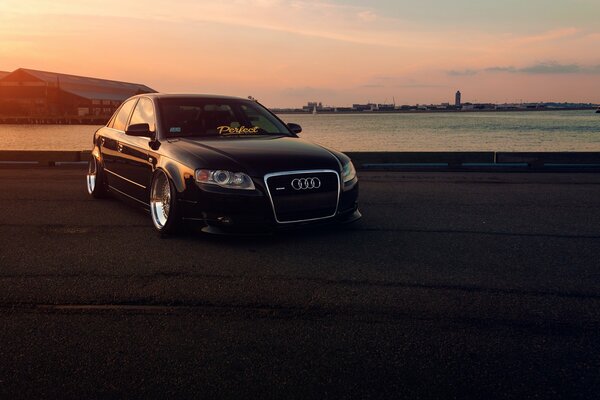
[286, 53]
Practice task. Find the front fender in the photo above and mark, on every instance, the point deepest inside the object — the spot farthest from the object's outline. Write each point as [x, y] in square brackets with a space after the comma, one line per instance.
[178, 173]
[96, 153]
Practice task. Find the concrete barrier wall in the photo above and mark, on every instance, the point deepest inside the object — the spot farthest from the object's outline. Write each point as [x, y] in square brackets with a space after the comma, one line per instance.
[365, 160]
[410, 160]
[42, 157]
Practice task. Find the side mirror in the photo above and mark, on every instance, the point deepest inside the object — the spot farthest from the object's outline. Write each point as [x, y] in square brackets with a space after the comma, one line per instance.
[139, 130]
[295, 128]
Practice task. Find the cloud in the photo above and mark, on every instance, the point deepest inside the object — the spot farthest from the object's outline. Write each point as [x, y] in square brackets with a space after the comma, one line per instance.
[324, 19]
[542, 68]
[552, 35]
[465, 72]
[367, 16]
[501, 69]
[552, 68]
[384, 77]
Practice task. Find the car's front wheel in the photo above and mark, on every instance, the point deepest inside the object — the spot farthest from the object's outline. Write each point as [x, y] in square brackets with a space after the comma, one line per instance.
[96, 186]
[163, 204]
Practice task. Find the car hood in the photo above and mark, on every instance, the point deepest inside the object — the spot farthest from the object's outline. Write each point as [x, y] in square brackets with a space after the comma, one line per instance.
[258, 156]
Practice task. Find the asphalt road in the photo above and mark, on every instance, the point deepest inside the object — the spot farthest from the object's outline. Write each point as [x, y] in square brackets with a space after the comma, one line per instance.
[453, 285]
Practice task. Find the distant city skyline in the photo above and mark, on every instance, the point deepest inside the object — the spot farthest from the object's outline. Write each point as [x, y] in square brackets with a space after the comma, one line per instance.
[286, 53]
[444, 104]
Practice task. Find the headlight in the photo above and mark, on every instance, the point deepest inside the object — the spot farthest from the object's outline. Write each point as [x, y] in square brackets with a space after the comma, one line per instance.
[348, 172]
[226, 179]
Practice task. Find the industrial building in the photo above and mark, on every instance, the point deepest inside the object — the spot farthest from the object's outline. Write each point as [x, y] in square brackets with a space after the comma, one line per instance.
[32, 93]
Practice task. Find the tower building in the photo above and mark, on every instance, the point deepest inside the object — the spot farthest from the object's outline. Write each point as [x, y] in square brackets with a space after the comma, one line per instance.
[457, 99]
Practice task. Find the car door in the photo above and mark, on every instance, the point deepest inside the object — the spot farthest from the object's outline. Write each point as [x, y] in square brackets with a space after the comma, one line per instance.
[138, 158]
[112, 148]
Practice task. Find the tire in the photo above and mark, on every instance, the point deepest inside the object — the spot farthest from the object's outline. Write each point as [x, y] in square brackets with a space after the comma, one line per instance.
[164, 208]
[95, 181]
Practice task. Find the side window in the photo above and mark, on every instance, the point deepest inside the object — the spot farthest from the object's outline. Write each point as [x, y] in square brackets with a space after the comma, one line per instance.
[121, 119]
[144, 113]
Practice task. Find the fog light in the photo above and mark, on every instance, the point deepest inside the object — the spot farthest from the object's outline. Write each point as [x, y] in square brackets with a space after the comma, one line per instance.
[225, 220]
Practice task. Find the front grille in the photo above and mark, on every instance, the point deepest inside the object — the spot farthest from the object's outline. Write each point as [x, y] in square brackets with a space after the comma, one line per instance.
[303, 195]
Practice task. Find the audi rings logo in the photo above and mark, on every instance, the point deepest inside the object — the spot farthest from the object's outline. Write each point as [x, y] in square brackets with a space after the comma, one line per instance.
[306, 183]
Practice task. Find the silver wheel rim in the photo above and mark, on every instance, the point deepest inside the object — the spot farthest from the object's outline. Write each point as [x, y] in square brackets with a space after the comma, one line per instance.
[91, 176]
[160, 200]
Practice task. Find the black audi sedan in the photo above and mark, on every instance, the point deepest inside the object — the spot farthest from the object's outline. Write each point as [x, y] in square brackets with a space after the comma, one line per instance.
[226, 163]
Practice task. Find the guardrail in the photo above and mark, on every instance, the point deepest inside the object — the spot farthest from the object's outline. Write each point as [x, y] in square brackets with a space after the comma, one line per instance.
[379, 160]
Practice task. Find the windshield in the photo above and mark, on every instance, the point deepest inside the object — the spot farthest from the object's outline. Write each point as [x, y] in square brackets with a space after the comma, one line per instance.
[182, 117]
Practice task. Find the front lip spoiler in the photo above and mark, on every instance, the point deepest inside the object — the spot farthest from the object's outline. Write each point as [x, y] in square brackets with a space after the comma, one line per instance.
[300, 226]
[355, 216]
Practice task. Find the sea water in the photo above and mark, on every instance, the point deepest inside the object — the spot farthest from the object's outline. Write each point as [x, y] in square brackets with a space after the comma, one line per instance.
[469, 131]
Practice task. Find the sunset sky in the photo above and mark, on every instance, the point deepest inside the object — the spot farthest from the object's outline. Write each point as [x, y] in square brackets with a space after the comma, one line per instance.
[286, 53]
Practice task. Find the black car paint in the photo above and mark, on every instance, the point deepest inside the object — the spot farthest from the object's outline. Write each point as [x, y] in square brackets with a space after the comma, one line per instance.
[130, 162]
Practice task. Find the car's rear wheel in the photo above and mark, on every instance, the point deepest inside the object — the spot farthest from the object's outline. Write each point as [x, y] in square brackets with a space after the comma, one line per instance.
[96, 185]
[163, 204]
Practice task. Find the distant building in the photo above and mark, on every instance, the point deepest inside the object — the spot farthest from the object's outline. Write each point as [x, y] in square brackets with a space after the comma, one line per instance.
[364, 107]
[28, 92]
[442, 106]
[478, 106]
[313, 105]
[386, 107]
[507, 106]
[457, 99]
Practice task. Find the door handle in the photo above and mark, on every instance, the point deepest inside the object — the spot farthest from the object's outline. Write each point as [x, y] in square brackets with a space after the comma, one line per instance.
[120, 148]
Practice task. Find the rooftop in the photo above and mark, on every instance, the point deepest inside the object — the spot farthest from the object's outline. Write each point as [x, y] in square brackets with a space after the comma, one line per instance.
[83, 86]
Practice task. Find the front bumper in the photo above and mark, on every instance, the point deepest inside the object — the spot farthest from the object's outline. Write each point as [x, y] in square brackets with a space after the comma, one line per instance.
[223, 211]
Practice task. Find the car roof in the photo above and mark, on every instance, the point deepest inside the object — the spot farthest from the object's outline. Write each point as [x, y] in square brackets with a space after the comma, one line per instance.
[186, 95]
